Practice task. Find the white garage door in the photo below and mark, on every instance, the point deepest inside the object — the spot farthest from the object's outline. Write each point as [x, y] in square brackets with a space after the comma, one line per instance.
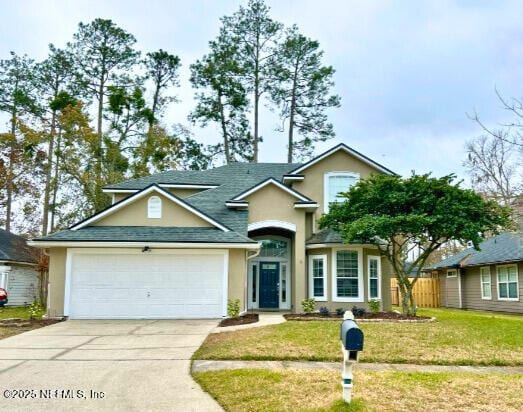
[132, 284]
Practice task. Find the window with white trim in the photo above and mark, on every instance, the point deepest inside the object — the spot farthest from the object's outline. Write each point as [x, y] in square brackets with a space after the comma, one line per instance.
[154, 207]
[508, 282]
[374, 273]
[318, 277]
[283, 282]
[336, 183]
[486, 282]
[452, 273]
[347, 275]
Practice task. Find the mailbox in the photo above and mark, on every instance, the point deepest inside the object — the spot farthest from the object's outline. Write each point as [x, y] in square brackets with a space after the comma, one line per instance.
[351, 336]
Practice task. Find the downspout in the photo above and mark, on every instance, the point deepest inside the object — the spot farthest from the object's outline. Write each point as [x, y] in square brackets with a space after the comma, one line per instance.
[248, 257]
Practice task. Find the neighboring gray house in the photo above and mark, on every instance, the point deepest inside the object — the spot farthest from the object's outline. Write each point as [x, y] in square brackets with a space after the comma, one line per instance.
[487, 279]
[18, 269]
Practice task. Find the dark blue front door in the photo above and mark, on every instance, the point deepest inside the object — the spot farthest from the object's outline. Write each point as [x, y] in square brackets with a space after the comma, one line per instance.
[269, 284]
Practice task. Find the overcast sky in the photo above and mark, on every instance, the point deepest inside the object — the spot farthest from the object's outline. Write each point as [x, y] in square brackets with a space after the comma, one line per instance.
[408, 72]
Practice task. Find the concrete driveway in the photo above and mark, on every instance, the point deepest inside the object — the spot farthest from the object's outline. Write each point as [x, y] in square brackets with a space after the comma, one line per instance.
[111, 364]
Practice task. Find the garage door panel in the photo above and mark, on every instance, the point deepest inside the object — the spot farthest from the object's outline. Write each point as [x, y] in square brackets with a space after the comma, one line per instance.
[138, 285]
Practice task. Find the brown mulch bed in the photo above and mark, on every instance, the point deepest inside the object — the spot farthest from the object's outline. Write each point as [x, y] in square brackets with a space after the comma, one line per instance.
[240, 320]
[11, 327]
[380, 316]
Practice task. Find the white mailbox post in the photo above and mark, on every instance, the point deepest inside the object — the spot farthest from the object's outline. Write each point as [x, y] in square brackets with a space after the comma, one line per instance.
[351, 343]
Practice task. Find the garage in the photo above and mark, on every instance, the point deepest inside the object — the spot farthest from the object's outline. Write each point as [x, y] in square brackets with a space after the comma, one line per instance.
[145, 284]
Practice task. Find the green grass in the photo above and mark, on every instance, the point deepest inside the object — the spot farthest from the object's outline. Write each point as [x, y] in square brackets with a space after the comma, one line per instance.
[458, 338]
[316, 390]
[21, 312]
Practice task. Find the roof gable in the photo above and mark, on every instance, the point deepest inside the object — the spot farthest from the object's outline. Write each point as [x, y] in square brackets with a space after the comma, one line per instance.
[136, 196]
[271, 181]
[348, 150]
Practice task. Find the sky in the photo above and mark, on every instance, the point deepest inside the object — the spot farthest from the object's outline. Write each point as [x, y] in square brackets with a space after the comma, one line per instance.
[408, 72]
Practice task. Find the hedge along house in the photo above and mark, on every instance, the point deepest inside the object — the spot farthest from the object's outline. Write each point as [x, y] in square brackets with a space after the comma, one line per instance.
[19, 274]
[487, 279]
[179, 244]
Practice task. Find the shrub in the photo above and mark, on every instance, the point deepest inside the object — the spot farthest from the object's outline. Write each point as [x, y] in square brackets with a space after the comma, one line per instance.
[233, 308]
[358, 311]
[374, 306]
[36, 310]
[324, 311]
[308, 305]
[340, 311]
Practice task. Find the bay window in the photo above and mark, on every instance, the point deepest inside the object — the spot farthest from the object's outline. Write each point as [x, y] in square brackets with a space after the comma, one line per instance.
[374, 274]
[347, 285]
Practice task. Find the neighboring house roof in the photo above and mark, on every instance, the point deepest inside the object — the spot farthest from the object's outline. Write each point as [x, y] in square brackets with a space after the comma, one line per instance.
[147, 234]
[505, 247]
[14, 248]
[347, 149]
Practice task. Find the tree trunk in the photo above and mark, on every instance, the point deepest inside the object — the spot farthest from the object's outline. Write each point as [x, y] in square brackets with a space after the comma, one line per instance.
[256, 100]
[48, 175]
[56, 180]
[292, 113]
[99, 131]
[10, 173]
[224, 130]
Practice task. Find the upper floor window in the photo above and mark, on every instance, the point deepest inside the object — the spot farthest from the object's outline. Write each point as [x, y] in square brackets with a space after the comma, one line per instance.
[336, 183]
[154, 208]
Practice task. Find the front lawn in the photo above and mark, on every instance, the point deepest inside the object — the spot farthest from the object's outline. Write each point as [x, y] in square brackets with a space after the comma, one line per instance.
[313, 390]
[19, 312]
[458, 338]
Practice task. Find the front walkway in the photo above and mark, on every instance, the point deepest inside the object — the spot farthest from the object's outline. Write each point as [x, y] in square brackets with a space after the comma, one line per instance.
[212, 365]
[117, 365]
[265, 319]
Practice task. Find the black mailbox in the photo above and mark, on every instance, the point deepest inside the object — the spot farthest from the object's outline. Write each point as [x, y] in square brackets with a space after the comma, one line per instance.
[351, 335]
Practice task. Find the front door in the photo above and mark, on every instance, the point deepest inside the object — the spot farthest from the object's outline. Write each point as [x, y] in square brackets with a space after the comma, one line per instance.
[269, 284]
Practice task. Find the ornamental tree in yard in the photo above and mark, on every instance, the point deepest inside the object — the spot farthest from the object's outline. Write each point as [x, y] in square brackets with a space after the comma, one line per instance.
[413, 216]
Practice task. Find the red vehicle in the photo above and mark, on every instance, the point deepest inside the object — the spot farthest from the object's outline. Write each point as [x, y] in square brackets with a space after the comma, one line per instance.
[3, 297]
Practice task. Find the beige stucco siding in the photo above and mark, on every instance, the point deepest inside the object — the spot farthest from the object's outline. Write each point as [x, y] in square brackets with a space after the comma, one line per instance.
[472, 292]
[57, 258]
[135, 214]
[340, 161]
[273, 203]
[237, 285]
[385, 280]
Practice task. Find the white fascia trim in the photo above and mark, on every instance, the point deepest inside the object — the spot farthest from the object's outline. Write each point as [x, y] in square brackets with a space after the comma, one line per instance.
[271, 223]
[141, 194]
[306, 206]
[339, 245]
[158, 245]
[274, 182]
[163, 185]
[347, 150]
[237, 204]
[293, 178]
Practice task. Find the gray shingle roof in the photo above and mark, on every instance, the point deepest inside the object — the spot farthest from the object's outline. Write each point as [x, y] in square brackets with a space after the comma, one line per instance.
[505, 247]
[147, 234]
[325, 236]
[14, 248]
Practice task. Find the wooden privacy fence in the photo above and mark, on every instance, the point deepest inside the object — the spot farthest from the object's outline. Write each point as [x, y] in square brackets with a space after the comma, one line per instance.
[426, 292]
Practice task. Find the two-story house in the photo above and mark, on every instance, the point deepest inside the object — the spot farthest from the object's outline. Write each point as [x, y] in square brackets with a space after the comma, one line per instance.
[179, 244]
